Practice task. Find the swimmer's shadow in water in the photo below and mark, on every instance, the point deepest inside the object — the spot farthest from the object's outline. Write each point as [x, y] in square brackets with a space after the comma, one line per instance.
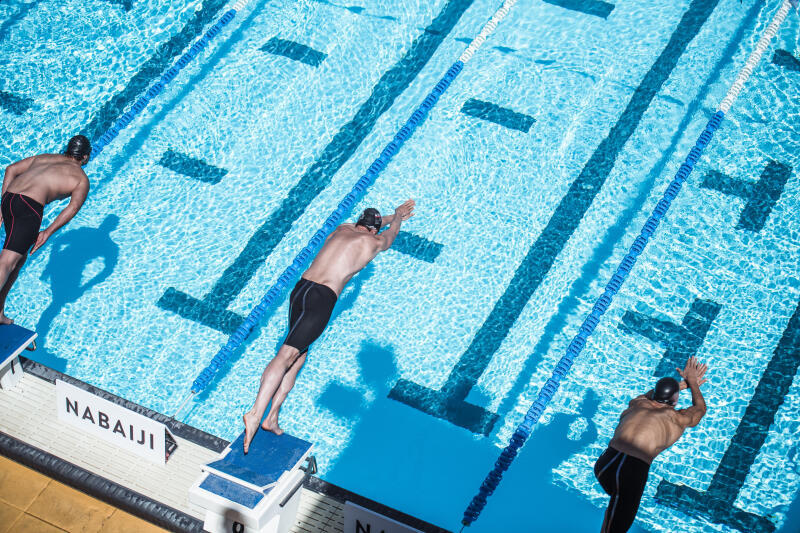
[345, 302]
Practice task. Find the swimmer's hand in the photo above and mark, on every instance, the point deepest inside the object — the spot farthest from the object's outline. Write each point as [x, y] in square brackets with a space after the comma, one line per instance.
[405, 210]
[40, 240]
[693, 372]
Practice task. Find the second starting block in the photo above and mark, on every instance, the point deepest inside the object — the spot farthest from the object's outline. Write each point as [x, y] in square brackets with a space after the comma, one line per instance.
[258, 492]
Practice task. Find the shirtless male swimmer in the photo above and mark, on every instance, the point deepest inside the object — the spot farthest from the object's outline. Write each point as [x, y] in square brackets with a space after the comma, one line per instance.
[28, 186]
[649, 425]
[348, 249]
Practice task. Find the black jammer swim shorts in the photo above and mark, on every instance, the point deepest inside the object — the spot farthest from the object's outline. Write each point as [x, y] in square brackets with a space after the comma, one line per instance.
[310, 308]
[624, 478]
[22, 218]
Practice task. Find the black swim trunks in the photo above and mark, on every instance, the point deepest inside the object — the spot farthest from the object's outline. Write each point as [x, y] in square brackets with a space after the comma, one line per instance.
[624, 478]
[22, 218]
[310, 308]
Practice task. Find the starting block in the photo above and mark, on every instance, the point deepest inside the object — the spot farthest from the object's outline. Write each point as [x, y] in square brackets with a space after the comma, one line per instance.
[13, 339]
[258, 492]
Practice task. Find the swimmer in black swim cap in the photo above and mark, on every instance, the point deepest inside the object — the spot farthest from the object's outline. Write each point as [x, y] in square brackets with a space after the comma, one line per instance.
[649, 425]
[348, 249]
[370, 219]
[667, 391]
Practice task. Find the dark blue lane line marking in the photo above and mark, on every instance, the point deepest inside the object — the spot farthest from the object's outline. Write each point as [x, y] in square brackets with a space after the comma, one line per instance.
[152, 69]
[357, 10]
[449, 401]
[13, 103]
[211, 310]
[24, 9]
[295, 51]
[784, 59]
[681, 341]
[717, 503]
[617, 232]
[760, 196]
[590, 7]
[191, 167]
[499, 115]
[416, 246]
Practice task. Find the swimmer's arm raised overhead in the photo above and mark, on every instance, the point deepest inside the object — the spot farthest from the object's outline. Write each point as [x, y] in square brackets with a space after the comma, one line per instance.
[76, 200]
[693, 373]
[403, 212]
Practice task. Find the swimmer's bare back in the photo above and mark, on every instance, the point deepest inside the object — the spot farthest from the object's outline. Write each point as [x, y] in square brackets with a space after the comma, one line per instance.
[647, 427]
[47, 178]
[345, 252]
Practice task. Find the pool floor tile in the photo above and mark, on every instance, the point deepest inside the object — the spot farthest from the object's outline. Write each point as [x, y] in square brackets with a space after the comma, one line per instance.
[8, 513]
[70, 509]
[19, 486]
[30, 524]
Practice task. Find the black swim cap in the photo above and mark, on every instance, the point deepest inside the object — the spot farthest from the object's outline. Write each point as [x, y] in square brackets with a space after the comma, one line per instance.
[665, 390]
[78, 147]
[370, 218]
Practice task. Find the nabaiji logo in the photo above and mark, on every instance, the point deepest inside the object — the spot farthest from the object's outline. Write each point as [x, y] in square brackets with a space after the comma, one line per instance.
[114, 425]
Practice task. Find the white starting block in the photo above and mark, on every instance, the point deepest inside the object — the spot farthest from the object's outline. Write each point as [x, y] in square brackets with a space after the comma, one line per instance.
[13, 339]
[254, 493]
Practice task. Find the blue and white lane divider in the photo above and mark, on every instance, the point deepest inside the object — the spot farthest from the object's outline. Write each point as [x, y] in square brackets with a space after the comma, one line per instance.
[575, 347]
[344, 207]
[155, 89]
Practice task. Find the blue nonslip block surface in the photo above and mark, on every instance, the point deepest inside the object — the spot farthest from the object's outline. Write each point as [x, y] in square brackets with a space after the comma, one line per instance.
[270, 456]
[12, 338]
[231, 491]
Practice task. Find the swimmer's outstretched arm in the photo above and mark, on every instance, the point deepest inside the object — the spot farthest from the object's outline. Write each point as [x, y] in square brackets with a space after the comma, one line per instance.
[403, 212]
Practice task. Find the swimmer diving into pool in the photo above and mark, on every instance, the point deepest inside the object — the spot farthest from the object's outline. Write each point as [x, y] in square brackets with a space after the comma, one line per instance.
[348, 249]
[28, 186]
[649, 425]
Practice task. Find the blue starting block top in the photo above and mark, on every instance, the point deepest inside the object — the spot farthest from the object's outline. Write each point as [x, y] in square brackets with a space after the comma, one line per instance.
[13, 339]
[270, 456]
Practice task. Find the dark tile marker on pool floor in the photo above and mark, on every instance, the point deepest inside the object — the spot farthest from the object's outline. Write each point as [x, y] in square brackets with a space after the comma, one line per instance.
[499, 115]
[760, 196]
[449, 402]
[416, 247]
[717, 502]
[124, 4]
[191, 167]
[13, 103]
[296, 51]
[212, 309]
[590, 7]
[681, 341]
[784, 59]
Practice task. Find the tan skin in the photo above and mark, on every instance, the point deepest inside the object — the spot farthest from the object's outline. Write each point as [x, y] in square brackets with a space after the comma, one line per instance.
[44, 178]
[647, 428]
[348, 249]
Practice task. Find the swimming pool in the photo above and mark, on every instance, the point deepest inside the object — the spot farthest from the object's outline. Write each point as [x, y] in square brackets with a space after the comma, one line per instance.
[209, 194]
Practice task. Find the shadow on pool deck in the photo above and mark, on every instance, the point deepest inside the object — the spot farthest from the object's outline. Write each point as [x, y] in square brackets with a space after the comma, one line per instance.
[404, 441]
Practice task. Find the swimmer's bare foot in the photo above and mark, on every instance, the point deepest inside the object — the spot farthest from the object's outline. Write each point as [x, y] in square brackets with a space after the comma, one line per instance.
[250, 428]
[4, 320]
[271, 424]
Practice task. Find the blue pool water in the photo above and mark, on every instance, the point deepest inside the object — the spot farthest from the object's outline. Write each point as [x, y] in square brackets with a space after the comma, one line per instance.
[208, 195]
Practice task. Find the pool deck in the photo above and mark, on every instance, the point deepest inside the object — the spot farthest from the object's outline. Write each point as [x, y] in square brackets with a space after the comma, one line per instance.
[120, 482]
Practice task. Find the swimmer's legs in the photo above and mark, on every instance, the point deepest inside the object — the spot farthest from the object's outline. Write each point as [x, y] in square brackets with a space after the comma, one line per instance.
[271, 422]
[270, 381]
[10, 265]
